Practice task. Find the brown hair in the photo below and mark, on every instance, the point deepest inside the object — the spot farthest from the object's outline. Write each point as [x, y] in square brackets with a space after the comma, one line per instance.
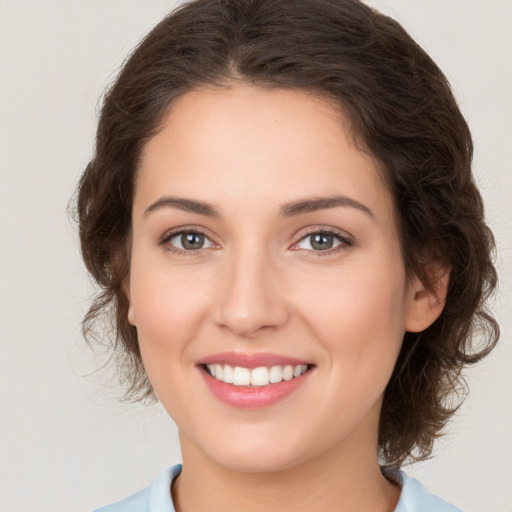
[401, 110]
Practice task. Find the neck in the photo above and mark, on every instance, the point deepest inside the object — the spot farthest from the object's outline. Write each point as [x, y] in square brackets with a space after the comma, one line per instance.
[343, 480]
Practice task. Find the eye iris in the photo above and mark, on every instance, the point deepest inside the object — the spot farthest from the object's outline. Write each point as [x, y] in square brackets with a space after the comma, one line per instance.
[192, 241]
[321, 241]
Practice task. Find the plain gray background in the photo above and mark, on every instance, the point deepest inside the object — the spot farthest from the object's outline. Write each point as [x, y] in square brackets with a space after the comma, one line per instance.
[64, 444]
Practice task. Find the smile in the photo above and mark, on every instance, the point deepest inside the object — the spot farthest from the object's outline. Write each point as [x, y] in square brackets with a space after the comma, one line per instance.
[253, 381]
[256, 377]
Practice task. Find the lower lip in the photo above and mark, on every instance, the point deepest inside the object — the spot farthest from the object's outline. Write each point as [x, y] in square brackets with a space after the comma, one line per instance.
[252, 398]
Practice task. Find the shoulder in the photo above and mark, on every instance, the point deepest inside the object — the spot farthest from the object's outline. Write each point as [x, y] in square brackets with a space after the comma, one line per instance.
[154, 498]
[415, 497]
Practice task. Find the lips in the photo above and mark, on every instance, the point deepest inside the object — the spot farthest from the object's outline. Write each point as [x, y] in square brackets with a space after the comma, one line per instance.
[250, 361]
[253, 380]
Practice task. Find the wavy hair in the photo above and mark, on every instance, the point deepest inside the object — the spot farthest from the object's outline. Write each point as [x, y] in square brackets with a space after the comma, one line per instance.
[401, 110]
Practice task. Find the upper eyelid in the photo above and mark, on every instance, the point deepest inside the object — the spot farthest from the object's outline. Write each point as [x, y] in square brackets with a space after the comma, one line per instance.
[165, 240]
[170, 233]
[311, 230]
[299, 236]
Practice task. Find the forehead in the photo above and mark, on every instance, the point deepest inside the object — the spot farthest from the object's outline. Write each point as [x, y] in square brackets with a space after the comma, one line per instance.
[258, 146]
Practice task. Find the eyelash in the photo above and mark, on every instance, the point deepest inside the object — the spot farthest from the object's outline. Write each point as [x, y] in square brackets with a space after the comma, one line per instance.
[345, 242]
[340, 236]
[181, 231]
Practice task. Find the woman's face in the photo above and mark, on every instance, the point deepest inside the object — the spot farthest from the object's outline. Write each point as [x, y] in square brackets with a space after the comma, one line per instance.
[264, 245]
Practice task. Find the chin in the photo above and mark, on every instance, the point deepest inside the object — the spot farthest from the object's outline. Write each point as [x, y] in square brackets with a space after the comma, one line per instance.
[257, 452]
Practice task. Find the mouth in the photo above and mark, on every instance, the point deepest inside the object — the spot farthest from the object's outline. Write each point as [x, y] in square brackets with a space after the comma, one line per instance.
[251, 381]
[255, 377]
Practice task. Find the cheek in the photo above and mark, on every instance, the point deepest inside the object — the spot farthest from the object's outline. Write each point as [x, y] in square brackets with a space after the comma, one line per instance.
[358, 315]
[168, 306]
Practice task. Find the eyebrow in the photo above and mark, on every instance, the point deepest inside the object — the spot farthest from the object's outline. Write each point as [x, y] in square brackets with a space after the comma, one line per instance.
[290, 209]
[314, 204]
[187, 205]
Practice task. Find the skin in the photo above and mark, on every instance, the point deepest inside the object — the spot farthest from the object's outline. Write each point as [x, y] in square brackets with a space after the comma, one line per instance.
[258, 285]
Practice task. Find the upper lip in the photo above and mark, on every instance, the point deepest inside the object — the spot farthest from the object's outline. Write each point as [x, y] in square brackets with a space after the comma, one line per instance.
[247, 360]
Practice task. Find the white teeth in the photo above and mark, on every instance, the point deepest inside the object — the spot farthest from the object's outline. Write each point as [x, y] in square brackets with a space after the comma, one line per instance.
[276, 374]
[259, 377]
[241, 376]
[299, 370]
[256, 377]
[227, 376]
[288, 372]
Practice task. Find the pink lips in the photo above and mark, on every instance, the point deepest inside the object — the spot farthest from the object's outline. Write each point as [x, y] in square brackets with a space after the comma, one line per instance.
[251, 397]
[250, 360]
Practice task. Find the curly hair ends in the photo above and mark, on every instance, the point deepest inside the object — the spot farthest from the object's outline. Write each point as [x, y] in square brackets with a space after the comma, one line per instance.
[401, 110]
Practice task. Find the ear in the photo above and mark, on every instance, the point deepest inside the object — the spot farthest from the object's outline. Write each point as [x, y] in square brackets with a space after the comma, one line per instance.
[425, 304]
[126, 290]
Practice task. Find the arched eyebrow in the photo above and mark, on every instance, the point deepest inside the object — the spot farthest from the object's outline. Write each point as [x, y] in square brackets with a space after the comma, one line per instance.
[187, 205]
[293, 208]
[314, 204]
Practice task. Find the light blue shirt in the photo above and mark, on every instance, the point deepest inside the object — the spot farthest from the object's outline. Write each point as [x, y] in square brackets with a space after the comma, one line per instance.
[157, 497]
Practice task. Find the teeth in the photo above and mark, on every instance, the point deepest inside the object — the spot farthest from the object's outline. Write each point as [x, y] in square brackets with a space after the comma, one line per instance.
[259, 377]
[227, 376]
[288, 372]
[256, 377]
[276, 374]
[241, 376]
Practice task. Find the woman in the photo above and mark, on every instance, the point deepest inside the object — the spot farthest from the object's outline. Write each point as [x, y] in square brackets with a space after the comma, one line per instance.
[282, 217]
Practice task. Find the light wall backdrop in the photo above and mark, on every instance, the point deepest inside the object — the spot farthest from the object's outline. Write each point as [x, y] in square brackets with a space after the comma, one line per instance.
[65, 443]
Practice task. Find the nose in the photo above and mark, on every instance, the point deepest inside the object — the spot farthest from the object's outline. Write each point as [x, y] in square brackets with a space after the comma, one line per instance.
[252, 298]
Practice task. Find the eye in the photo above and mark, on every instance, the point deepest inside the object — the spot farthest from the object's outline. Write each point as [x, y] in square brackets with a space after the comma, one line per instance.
[320, 241]
[188, 241]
